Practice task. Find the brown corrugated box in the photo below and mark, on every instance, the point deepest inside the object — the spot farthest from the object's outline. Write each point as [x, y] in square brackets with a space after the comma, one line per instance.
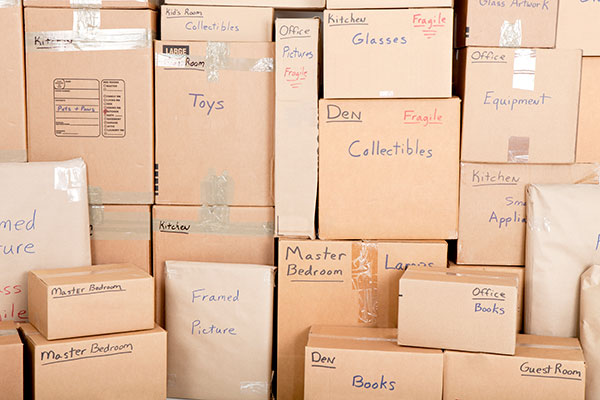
[11, 361]
[310, 4]
[578, 26]
[93, 3]
[366, 363]
[588, 131]
[84, 301]
[349, 283]
[90, 95]
[388, 169]
[589, 328]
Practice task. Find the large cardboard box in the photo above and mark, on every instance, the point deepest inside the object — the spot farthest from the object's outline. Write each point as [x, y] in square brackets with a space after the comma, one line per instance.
[310, 4]
[346, 283]
[128, 366]
[207, 23]
[220, 323]
[456, 305]
[296, 126]
[366, 363]
[240, 235]
[492, 216]
[563, 240]
[506, 23]
[43, 224]
[89, 94]
[93, 3]
[13, 146]
[588, 131]
[214, 120]
[11, 361]
[548, 368]
[388, 169]
[519, 105]
[578, 26]
[387, 53]
[354, 4]
[589, 328]
[121, 234]
[95, 300]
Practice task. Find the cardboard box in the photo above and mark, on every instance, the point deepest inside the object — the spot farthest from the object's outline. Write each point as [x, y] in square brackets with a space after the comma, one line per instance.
[13, 147]
[387, 53]
[240, 235]
[548, 368]
[398, 162]
[296, 126]
[226, 24]
[358, 283]
[354, 4]
[492, 214]
[121, 234]
[43, 224]
[506, 23]
[227, 353]
[214, 120]
[93, 3]
[562, 242]
[310, 4]
[520, 105]
[578, 26]
[589, 328]
[360, 363]
[128, 366]
[588, 131]
[447, 308]
[11, 361]
[113, 298]
[90, 95]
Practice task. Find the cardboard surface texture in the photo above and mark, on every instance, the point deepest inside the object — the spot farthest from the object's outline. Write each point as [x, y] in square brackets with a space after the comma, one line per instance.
[241, 235]
[215, 121]
[578, 26]
[366, 363]
[355, 4]
[13, 147]
[520, 105]
[43, 224]
[11, 361]
[93, 3]
[296, 126]
[492, 216]
[121, 234]
[562, 242]
[89, 95]
[310, 4]
[506, 23]
[387, 53]
[358, 283]
[397, 160]
[85, 301]
[127, 366]
[220, 323]
[226, 24]
[589, 328]
[543, 368]
[588, 131]
[470, 312]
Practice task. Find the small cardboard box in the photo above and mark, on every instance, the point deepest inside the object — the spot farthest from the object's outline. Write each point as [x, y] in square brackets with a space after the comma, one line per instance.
[506, 23]
[44, 223]
[397, 160]
[563, 240]
[128, 366]
[90, 95]
[492, 214]
[356, 4]
[549, 368]
[13, 146]
[215, 106]
[447, 308]
[578, 26]
[93, 3]
[220, 323]
[241, 235]
[589, 328]
[219, 24]
[387, 53]
[296, 126]
[588, 131]
[366, 363]
[520, 105]
[310, 4]
[121, 234]
[358, 283]
[11, 361]
[85, 301]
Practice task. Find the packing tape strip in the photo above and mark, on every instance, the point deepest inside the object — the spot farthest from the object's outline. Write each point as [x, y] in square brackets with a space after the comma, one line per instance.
[119, 225]
[98, 196]
[71, 181]
[9, 3]
[548, 346]
[8, 332]
[367, 339]
[216, 189]
[104, 39]
[465, 274]
[86, 23]
[85, 3]
[511, 35]
[257, 387]
[132, 271]
[524, 67]
[364, 280]
[518, 149]
[13, 156]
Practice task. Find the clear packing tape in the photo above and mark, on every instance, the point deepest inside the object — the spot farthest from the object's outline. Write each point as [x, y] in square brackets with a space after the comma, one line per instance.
[13, 155]
[119, 225]
[100, 3]
[511, 35]
[127, 272]
[8, 332]
[9, 3]
[364, 280]
[99, 196]
[71, 180]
